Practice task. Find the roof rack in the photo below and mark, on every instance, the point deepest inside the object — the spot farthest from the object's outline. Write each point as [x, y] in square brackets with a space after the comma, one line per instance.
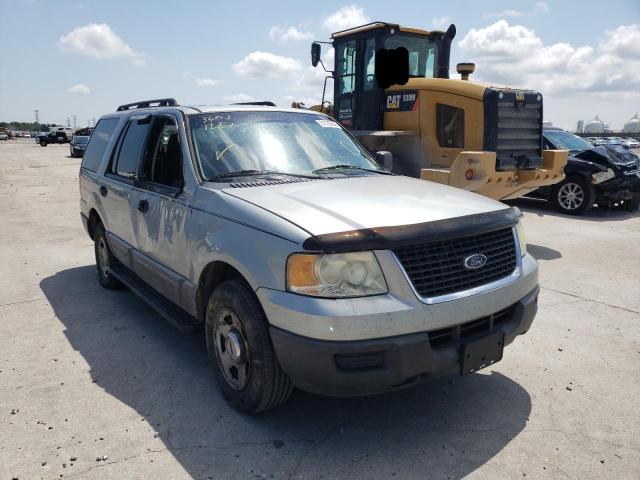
[160, 102]
[265, 103]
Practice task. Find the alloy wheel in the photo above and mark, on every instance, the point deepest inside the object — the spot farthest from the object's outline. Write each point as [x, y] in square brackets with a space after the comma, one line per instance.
[570, 196]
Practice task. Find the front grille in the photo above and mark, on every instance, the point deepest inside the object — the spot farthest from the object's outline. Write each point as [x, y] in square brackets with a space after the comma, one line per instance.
[446, 336]
[513, 129]
[437, 268]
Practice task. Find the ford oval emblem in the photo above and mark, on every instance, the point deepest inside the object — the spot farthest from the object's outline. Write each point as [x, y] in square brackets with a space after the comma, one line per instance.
[475, 261]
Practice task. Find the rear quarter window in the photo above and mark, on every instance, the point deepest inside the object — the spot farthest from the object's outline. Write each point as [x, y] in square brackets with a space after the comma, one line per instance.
[98, 143]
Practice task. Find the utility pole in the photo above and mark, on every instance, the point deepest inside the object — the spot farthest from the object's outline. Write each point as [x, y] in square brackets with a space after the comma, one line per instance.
[75, 122]
[68, 122]
[37, 112]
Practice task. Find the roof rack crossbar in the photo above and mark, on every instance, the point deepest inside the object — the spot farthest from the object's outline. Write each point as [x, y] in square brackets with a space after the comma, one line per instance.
[265, 103]
[159, 102]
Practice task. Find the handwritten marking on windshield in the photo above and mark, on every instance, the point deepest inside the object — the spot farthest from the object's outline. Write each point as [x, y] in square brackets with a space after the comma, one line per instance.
[219, 155]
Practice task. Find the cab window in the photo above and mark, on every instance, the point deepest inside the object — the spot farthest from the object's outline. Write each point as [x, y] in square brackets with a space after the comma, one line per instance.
[450, 126]
[163, 163]
[346, 67]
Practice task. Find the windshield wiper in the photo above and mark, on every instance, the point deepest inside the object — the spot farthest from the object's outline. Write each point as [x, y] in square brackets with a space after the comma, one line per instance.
[349, 167]
[253, 173]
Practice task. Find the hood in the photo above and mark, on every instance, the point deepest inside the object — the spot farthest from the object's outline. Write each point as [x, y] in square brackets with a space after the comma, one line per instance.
[465, 88]
[610, 156]
[351, 203]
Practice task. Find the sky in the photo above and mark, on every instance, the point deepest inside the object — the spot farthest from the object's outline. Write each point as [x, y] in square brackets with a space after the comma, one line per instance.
[84, 58]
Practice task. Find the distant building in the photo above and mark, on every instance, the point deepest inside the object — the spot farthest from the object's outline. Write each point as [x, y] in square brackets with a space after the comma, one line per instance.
[580, 127]
[633, 125]
[595, 126]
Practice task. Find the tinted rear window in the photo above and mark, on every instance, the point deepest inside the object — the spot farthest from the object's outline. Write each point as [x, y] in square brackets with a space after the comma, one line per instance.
[98, 143]
[131, 149]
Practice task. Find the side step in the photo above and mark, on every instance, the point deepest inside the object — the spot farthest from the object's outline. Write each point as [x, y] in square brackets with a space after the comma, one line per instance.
[180, 319]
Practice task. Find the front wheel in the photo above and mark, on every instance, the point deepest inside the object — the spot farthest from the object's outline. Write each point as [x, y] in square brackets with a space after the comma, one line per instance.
[631, 205]
[240, 350]
[574, 195]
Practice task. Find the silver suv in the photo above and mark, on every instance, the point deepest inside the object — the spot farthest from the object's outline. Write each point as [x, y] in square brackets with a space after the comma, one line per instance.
[307, 264]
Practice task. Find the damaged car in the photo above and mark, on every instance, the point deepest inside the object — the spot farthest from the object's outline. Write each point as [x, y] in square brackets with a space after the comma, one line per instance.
[605, 175]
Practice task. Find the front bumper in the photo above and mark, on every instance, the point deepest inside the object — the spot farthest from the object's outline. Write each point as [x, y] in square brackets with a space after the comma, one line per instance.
[373, 366]
[622, 187]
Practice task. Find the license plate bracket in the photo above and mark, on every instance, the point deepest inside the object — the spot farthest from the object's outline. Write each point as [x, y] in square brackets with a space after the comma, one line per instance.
[482, 352]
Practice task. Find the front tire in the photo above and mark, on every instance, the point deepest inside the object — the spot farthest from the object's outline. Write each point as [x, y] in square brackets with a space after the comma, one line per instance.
[240, 350]
[631, 205]
[574, 195]
[104, 260]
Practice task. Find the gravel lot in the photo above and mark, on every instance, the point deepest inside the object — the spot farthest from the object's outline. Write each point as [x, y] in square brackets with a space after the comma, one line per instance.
[95, 385]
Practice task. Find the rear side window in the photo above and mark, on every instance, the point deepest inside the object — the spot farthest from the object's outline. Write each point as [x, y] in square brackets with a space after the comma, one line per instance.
[131, 149]
[98, 143]
[450, 126]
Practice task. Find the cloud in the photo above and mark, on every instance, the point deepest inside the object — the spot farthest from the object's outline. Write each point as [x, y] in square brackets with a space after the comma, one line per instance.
[542, 7]
[346, 17]
[440, 23]
[79, 88]
[267, 65]
[504, 13]
[98, 41]
[238, 98]
[206, 82]
[515, 55]
[289, 33]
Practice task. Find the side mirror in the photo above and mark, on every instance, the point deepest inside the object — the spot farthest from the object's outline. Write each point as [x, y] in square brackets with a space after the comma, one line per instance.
[315, 54]
[385, 159]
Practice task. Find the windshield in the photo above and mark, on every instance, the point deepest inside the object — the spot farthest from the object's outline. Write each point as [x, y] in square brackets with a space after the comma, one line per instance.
[284, 142]
[567, 141]
[422, 53]
[81, 140]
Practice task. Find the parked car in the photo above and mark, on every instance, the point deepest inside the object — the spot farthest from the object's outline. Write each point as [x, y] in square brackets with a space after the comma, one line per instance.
[307, 263]
[78, 145]
[602, 175]
[4, 136]
[52, 137]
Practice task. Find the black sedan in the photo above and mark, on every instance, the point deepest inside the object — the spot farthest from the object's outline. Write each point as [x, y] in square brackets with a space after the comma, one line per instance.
[603, 175]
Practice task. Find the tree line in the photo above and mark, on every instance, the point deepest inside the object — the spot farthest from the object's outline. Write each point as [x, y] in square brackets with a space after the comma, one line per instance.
[27, 126]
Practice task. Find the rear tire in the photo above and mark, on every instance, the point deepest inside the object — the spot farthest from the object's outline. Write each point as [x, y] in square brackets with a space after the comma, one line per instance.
[104, 260]
[240, 350]
[574, 195]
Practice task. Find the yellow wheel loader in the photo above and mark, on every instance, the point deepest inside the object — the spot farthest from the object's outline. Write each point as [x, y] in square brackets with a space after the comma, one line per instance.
[393, 92]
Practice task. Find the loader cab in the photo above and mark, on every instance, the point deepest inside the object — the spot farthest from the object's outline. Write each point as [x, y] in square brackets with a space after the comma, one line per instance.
[359, 100]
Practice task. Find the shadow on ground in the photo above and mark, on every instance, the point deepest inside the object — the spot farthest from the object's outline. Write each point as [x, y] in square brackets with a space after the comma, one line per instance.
[444, 429]
[596, 214]
[543, 253]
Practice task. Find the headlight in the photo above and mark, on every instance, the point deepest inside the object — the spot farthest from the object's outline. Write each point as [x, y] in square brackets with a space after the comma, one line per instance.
[521, 238]
[335, 275]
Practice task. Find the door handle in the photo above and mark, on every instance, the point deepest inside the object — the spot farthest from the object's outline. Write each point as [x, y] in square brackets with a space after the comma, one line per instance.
[103, 191]
[143, 206]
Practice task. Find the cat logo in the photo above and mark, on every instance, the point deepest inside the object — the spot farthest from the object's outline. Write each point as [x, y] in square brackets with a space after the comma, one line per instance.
[520, 96]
